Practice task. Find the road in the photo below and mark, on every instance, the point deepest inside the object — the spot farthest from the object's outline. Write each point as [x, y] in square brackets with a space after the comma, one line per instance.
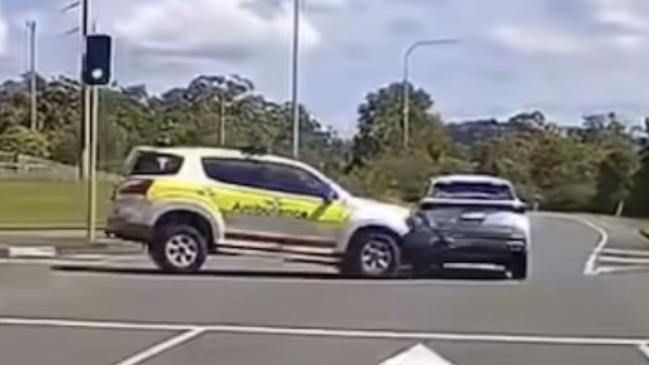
[252, 314]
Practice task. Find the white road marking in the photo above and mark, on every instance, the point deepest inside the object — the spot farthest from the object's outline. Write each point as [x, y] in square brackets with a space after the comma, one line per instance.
[162, 347]
[623, 260]
[94, 324]
[591, 265]
[644, 349]
[590, 268]
[325, 332]
[47, 252]
[615, 269]
[416, 355]
[625, 252]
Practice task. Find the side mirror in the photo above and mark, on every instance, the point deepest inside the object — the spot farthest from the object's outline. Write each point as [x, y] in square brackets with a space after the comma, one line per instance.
[328, 194]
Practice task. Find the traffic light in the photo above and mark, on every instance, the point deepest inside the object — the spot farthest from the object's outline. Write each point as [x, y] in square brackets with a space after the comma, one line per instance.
[97, 62]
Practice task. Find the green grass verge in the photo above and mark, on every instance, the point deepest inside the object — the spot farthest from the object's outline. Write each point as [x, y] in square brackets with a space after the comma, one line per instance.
[49, 204]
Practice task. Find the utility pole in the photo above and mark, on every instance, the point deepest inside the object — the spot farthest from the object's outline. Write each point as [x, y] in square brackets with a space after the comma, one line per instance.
[222, 120]
[294, 79]
[31, 27]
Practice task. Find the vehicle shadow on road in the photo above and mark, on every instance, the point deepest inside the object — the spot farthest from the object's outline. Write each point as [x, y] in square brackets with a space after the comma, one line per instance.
[448, 274]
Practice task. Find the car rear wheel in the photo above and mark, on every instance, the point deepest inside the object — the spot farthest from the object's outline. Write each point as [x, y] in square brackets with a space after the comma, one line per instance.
[372, 254]
[179, 248]
[518, 267]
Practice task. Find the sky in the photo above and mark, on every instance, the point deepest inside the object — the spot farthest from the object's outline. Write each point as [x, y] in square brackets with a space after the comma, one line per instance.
[564, 57]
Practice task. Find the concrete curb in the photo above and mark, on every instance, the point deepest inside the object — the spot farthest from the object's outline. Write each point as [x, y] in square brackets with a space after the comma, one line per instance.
[32, 252]
[51, 252]
[644, 233]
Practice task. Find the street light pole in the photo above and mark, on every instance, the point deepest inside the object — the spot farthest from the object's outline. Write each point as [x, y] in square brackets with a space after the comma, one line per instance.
[406, 88]
[294, 79]
[222, 121]
[31, 27]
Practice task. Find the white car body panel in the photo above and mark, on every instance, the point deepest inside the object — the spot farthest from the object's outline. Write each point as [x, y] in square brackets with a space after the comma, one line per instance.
[368, 213]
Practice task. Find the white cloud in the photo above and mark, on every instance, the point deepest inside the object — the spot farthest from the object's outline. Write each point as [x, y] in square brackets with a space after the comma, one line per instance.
[622, 13]
[631, 42]
[224, 29]
[4, 34]
[531, 40]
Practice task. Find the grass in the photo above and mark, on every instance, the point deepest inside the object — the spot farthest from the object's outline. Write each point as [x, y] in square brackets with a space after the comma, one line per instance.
[49, 204]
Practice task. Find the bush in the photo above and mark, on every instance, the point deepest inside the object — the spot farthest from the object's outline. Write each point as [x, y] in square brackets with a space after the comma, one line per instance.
[20, 140]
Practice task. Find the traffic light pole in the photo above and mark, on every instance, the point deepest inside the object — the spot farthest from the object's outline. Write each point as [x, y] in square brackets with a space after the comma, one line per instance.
[91, 216]
[85, 94]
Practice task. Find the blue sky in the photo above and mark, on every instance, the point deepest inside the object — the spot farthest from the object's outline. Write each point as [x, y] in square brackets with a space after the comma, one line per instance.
[565, 57]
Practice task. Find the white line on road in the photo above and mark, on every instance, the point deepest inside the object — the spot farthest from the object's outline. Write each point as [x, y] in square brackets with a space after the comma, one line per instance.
[590, 268]
[625, 252]
[94, 324]
[162, 347]
[591, 265]
[325, 332]
[624, 260]
[644, 349]
[609, 269]
[416, 355]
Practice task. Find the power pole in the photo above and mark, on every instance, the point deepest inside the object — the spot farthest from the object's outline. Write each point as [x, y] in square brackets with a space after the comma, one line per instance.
[31, 27]
[222, 121]
[294, 79]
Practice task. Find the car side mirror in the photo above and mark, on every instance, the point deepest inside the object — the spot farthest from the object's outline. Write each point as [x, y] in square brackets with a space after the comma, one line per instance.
[328, 194]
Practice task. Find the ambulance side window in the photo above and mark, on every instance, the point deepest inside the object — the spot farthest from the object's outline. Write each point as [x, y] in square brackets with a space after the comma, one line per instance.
[292, 180]
[234, 171]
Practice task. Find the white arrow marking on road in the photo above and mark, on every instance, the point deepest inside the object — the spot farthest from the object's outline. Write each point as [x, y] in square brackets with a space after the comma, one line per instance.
[416, 355]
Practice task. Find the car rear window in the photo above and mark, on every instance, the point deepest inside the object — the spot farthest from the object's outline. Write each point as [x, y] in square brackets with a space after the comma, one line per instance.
[472, 190]
[154, 163]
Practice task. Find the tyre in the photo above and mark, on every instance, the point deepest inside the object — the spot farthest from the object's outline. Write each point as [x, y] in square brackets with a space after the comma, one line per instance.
[179, 248]
[372, 254]
[518, 267]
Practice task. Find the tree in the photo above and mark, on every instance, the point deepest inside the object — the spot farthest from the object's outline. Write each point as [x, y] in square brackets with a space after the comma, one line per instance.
[615, 177]
[21, 140]
[380, 127]
[638, 203]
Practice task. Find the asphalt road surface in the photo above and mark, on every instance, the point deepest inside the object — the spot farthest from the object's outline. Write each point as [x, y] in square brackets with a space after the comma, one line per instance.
[575, 309]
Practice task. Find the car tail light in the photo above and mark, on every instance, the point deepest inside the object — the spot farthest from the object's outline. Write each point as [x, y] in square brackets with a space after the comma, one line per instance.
[134, 187]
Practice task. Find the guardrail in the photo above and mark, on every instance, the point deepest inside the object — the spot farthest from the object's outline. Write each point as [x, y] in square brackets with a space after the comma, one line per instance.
[24, 167]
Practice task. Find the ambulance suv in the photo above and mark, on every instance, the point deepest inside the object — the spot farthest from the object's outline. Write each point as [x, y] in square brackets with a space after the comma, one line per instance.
[187, 203]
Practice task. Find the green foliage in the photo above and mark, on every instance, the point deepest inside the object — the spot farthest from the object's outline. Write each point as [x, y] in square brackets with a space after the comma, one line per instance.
[380, 124]
[595, 166]
[21, 140]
